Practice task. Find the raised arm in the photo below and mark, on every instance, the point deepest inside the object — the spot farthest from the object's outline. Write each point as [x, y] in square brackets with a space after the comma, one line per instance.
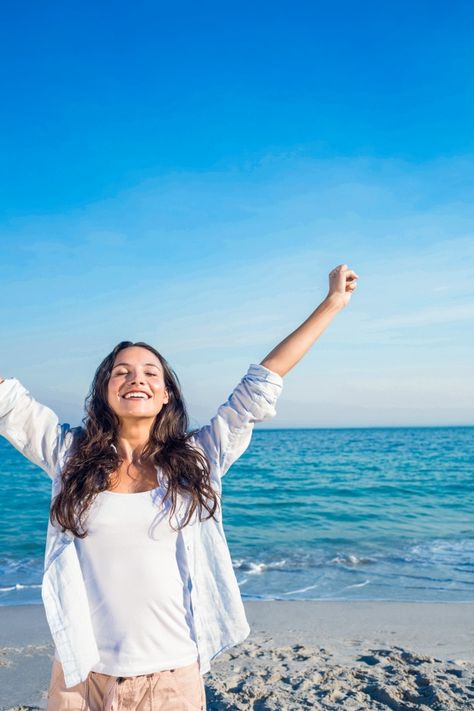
[342, 282]
[32, 428]
[229, 432]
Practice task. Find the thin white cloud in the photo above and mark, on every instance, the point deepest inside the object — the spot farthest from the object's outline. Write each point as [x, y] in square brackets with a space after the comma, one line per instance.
[428, 316]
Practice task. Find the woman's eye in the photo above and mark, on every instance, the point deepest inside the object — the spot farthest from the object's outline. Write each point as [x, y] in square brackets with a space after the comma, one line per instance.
[124, 372]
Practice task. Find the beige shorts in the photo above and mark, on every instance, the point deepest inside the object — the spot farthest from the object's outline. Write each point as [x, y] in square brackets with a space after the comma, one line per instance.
[180, 689]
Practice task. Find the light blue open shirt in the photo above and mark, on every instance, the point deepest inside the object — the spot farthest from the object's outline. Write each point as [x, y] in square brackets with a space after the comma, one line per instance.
[218, 612]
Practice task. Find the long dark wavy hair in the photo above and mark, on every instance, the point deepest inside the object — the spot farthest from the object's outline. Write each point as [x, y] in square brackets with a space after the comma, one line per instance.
[92, 459]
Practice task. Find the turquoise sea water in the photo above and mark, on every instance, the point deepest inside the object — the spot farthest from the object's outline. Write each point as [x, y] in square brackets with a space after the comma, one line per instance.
[346, 514]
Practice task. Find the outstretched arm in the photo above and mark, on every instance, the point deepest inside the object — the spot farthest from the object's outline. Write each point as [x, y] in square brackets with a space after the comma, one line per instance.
[32, 428]
[342, 282]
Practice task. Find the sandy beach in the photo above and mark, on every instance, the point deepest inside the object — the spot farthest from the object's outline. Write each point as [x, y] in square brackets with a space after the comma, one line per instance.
[300, 655]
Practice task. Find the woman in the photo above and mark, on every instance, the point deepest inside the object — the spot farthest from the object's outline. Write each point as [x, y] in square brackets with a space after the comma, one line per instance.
[138, 585]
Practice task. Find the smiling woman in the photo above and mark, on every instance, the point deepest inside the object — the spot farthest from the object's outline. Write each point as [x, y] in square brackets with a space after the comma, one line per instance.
[138, 586]
[128, 438]
[148, 379]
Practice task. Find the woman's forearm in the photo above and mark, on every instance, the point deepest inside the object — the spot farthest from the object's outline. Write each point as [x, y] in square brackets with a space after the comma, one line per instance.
[287, 353]
[342, 282]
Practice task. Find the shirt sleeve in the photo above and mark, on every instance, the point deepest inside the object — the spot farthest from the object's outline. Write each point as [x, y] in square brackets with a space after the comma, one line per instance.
[229, 432]
[33, 429]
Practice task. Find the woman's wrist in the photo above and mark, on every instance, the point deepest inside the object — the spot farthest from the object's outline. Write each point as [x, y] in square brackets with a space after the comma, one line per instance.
[335, 301]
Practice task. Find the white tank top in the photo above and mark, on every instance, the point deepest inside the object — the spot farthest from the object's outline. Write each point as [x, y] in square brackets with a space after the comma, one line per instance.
[137, 583]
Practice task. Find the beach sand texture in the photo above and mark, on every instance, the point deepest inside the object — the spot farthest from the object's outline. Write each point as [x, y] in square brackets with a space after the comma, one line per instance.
[300, 655]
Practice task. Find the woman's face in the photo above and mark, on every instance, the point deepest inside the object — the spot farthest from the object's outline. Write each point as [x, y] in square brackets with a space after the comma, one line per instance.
[136, 388]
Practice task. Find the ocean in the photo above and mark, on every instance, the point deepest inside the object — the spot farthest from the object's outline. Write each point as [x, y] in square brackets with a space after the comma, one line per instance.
[309, 514]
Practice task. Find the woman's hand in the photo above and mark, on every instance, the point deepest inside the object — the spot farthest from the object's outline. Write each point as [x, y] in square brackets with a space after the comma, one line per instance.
[342, 282]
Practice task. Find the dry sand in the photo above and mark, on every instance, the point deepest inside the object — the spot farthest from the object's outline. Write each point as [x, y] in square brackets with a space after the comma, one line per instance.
[300, 655]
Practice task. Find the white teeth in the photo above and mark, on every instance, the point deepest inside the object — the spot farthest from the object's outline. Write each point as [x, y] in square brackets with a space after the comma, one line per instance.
[142, 396]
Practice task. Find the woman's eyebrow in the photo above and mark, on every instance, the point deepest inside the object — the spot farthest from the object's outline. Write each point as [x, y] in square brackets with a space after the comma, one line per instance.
[152, 364]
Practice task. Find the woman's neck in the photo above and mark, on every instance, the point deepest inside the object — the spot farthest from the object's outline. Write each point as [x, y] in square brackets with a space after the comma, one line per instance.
[131, 441]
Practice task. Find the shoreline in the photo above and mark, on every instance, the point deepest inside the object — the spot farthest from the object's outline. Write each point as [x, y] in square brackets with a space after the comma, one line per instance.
[307, 654]
[327, 601]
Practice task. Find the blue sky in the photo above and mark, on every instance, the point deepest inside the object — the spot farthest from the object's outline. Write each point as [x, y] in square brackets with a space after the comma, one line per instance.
[189, 174]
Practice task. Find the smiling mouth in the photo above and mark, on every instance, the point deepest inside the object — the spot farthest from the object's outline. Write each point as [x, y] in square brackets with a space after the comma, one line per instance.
[136, 397]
